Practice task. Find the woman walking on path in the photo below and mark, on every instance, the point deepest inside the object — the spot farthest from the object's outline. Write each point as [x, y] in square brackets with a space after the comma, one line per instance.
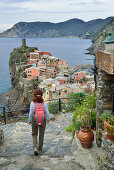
[38, 116]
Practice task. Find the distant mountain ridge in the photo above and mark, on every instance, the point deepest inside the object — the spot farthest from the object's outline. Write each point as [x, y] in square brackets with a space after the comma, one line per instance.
[73, 27]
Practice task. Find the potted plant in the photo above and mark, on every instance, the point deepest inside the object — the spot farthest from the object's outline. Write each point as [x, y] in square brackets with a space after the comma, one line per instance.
[84, 114]
[108, 119]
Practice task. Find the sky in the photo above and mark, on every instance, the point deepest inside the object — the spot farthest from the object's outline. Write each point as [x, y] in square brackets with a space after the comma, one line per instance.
[14, 11]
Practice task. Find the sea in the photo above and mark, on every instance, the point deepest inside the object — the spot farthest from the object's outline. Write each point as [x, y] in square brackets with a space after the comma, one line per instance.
[70, 49]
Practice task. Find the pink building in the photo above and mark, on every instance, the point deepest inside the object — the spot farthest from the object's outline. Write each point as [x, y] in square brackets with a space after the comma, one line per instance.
[79, 78]
[33, 59]
[33, 73]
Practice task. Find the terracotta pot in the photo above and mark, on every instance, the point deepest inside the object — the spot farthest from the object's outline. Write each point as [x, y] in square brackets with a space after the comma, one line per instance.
[77, 133]
[109, 131]
[86, 137]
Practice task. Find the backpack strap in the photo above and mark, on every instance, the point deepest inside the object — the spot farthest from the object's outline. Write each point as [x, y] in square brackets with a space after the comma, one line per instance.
[36, 105]
[42, 103]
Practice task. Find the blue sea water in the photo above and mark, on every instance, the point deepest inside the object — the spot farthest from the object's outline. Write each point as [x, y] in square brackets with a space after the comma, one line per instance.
[70, 49]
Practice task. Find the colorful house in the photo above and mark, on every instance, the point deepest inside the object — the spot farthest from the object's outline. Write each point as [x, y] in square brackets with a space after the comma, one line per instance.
[33, 59]
[48, 94]
[45, 53]
[62, 64]
[79, 77]
[41, 64]
[62, 80]
[33, 73]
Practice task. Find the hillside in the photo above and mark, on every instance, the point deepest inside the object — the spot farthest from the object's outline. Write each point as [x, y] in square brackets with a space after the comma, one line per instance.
[73, 27]
[100, 37]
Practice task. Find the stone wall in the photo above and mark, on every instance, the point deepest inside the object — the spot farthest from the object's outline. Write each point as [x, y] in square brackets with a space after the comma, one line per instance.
[108, 148]
[1, 137]
[105, 60]
[104, 95]
[106, 159]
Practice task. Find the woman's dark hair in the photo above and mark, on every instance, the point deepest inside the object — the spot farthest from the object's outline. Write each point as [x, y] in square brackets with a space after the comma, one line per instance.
[38, 96]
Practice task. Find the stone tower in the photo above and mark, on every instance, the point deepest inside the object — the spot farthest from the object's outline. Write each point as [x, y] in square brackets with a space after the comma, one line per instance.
[23, 43]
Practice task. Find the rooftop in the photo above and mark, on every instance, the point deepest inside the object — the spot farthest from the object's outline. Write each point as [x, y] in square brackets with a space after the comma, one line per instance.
[35, 68]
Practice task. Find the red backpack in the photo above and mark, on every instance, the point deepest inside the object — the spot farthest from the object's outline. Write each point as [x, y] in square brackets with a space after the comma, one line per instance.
[39, 114]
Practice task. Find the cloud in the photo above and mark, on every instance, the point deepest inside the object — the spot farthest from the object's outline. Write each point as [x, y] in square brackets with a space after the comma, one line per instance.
[5, 26]
[53, 10]
[56, 5]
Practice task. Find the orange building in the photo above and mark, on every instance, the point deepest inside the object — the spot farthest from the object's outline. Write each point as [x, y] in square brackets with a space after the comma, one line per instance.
[80, 76]
[45, 53]
[33, 73]
[62, 63]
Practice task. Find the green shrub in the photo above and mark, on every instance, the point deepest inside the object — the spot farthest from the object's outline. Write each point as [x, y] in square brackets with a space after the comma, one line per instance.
[75, 99]
[25, 61]
[10, 60]
[70, 128]
[1, 115]
[108, 117]
[54, 106]
[78, 125]
[85, 112]
[73, 133]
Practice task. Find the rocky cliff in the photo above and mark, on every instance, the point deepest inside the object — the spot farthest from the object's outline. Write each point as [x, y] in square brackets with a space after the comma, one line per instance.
[19, 94]
[73, 27]
[17, 57]
[99, 37]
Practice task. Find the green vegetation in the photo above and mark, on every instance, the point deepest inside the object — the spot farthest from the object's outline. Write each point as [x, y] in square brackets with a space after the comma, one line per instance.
[31, 49]
[102, 34]
[54, 106]
[71, 103]
[74, 100]
[25, 61]
[10, 60]
[70, 128]
[24, 118]
[73, 27]
[19, 71]
[84, 114]
[108, 117]
[20, 50]
[78, 125]
[1, 115]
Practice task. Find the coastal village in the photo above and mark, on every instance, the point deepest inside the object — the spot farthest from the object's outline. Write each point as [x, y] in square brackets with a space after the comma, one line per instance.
[63, 150]
[57, 85]
[53, 75]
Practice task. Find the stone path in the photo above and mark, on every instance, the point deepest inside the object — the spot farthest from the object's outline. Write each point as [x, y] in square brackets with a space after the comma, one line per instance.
[59, 151]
